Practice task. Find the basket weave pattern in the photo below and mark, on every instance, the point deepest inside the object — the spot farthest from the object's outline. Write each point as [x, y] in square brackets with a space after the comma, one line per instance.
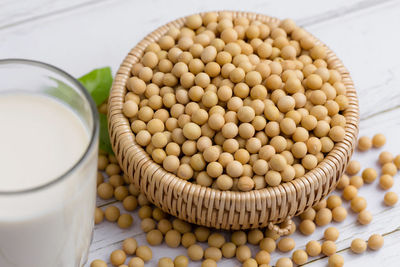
[226, 209]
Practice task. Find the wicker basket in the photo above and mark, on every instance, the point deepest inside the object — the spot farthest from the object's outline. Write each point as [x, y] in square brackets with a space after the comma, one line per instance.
[226, 209]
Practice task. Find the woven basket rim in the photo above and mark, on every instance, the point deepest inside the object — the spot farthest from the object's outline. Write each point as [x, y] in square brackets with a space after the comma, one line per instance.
[126, 138]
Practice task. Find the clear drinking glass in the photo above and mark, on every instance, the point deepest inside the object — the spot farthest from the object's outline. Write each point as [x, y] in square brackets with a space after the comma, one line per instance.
[52, 224]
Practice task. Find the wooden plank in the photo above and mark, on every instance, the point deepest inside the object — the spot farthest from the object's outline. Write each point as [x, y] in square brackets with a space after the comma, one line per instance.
[336, 13]
[102, 34]
[14, 13]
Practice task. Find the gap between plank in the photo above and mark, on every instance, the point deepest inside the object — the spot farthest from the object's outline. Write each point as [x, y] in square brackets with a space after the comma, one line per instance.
[107, 203]
[380, 113]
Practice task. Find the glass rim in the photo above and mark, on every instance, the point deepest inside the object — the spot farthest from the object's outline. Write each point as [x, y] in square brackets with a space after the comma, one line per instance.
[94, 114]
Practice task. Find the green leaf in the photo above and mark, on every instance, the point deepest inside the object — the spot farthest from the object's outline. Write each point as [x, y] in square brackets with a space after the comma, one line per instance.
[104, 142]
[98, 83]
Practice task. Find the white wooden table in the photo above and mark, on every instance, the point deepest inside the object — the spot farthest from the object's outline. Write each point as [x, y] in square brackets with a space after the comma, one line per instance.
[79, 35]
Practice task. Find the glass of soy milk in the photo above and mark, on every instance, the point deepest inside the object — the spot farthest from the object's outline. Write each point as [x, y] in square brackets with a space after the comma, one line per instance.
[48, 163]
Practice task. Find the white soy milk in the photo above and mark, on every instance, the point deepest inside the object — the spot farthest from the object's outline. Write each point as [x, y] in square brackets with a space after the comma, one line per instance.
[41, 139]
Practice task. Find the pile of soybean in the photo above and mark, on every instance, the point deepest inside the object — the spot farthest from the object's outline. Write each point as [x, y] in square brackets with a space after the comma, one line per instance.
[161, 228]
[236, 104]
